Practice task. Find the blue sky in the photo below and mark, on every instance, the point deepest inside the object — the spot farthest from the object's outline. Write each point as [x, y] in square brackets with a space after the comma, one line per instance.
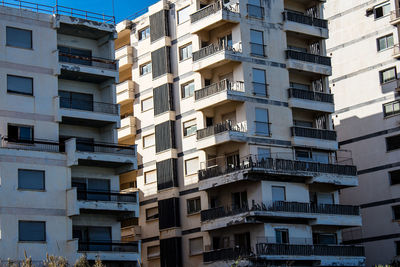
[123, 8]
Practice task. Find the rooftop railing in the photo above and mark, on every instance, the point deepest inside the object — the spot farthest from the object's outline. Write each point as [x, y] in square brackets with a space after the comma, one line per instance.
[58, 10]
[215, 48]
[224, 85]
[87, 61]
[109, 196]
[35, 145]
[108, 245]
[212, 9]
[305, 19]
[220, 128]
[314, 133]
[307, 57]
[78, 104]
[310, 95]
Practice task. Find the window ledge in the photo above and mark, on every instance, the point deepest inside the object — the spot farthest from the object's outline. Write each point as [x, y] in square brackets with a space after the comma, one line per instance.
[183, 60]
[151, 220]
[29, 49]
[196, 254]
[31, 190]
[32, 242]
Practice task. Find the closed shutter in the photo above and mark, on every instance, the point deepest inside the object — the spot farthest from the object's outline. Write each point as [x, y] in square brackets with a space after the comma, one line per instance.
[161, 61]
[159, 25]
[169, 215]
[171, 252]
[163, 99]
[167, 175]
[165, 136]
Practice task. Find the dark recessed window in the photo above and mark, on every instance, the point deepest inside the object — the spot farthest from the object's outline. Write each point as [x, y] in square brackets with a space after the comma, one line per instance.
[31, 180]
[394, 177]
[397, 243]
[31, 231]
[396, 212]
[382, 10]
[388, 75]
[392, 142]
[385, 42]
[18, 37]
[193, 205]
[19, 133]
[19, 85]
[282, 236]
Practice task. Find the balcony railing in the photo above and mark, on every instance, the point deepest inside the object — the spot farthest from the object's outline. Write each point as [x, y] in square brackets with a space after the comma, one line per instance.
[304, 19]
[310, 95]
[282, 206]
[224, 85]
[225, 254]
[212, 9]
[85, 146]
[88, 61]
[309, 250]
[307, 57]
[70, 103]
[314, 133]
[213, 49]
[93, 195]
[220, 128]
[392, 108]
[252, 163]
[108, 245]
[35, 145]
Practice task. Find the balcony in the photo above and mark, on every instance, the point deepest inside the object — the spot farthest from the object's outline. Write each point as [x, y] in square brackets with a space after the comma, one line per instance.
[213, 16]
[218, 94]
[216, 55]
[306, 25]
[395, 17]
[32, 145]
[311, 100]
[225, 254]
[307, 62]
[125, 92]
[127, 132]
[122, 158]
[277, 169]
[124, 55]
[109, 250]
[311, 137]
[221, 133]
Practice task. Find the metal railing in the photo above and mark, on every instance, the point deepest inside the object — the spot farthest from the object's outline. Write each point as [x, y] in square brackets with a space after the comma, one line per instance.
[224, 254]
[255, 11]
[87, 61]
[110, 196]
[70, 103]
[305, 19]
[309, 250]
[314, 133]
[258, 49]
[212, 9]
[392, 108]
[213, 49]
[108, 245]
[310, 95]
[58, 10]
[85, 146]
[220, 128]
[307, 57]
[35, 145]
[281, 206]
[274, 165]
[224, 85]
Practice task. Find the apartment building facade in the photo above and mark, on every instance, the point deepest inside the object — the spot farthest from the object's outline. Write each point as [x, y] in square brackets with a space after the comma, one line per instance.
[60, 159]
[229, 106]
[364, 46]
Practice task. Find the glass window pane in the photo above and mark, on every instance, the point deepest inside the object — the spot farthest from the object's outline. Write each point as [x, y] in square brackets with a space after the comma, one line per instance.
[386, 9]
[31, 179]
[183, 14]
[147, 104]
[149, 140]
[278, 193]
[261, 115]
[263, 153]
[196, 245]
[259, 76]
[382, 43]
[150, 177]
[191, 166]
[32, 231]
[17, 84]
[25, 133]
[19, 37]
[256, 37]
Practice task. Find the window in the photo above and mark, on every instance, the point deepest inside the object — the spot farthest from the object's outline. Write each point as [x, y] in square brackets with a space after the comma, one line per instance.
[153, 252]
[147, 104]
[392, 142]
[191, 166]
[31, 231]
[196, 246]
[262, 123]
[19, 85]
[152, 213]
[394, 177]
[73, 100]
[254, 9]
[263, 153]
[189, 128]
[385, 42]
[382, 10]
[145, 68]
[183, 14]
[187, 89]
[257, 43]
[149, 140]
[324, 239]
[282, 236]
[150, 177]
[259, 82]
[307, 124]
[388, 75]
[193, 205]
[31, 179]
[396, 212]
[391, 108]
[19, 37]
[144, 34]
[185, 52]
[300, 86]
[75, 55]
[278, 193]
[303, 155]
[17, 133]
[239, 200]
[397, 243]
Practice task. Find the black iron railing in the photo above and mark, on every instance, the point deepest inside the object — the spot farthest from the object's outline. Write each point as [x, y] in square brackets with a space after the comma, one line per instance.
[88, 61]
[225, 254]
[220, 128]
[304, 19]
[314, 133]
[274, 165]
[35, 144]
[108, 245]
[307, 57]
[310, 95]
[309, 250]
[70, 103]
[213, 49]
[85, 146]
[95, 195]
[224, 85]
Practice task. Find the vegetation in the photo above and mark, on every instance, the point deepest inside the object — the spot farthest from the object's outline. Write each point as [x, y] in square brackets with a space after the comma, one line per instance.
[52, 261]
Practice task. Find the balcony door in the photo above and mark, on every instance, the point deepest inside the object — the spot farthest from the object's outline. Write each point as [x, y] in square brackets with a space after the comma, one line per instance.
[92, 189]
[232, 161]
[239, 200]
[73, 100]
[93, 238]
[226, 41]
[242, 242]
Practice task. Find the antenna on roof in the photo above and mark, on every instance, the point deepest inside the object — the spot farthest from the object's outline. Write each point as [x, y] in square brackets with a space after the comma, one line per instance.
[113, 8]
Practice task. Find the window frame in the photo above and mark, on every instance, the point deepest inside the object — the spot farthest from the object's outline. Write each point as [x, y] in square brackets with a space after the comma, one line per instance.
[185, 165]
[153, 218]
[280, 187]
[155, 256]
[267, 122]
[31, 34]
[141, 68]
[18, 139]
[255, 82]
[387, 3]
[254, 43]
[184, 128]
[144, 143]
[177, 15]
[381, 75]
[183, 92]
[190, 248]
[393, 112]
[17, 92]
[29, 221]
[141, 104]
[31, 189]
[282, 230]
[394, 212]
[144, 30]
[196, 211]
[386, 141]
[390, 173]
[181, 49]
[386, 42]
[145, 180]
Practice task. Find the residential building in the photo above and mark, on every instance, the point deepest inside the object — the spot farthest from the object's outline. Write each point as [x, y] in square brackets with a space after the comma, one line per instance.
[364, 45]
[59, 157]
[229, 105]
